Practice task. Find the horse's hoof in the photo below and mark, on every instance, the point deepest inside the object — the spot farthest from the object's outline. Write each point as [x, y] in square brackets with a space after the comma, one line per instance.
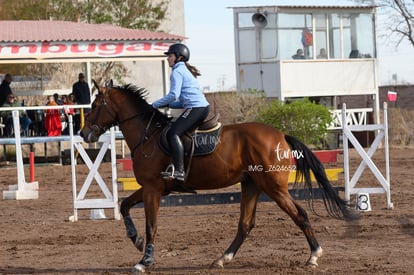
[139, 244]
[217, 265]
[312, 265]
[138, 269]
[312, 262]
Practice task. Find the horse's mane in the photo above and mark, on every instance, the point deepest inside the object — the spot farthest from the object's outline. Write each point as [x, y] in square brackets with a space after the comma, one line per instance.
[140, 94]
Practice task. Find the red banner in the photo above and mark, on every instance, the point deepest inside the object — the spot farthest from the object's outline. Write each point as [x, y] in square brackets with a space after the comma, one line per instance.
[82, 49]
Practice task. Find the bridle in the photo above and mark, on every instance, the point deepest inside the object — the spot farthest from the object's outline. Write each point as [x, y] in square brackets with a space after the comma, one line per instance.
[105, 107]
[102, 107]
[101, 129]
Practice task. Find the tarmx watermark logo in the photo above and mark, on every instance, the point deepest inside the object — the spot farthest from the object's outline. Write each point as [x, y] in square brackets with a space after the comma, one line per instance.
[288, 154]
[271, 168]
[281, 154]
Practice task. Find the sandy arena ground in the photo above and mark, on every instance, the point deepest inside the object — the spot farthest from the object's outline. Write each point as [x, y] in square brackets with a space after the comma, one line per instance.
[37, 238]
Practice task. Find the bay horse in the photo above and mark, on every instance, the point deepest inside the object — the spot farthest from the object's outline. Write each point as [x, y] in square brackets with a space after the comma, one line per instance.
[240, 146]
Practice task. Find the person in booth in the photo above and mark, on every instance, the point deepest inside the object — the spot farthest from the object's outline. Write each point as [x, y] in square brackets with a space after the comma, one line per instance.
[299, 54]
[184, 93]
[322, 54]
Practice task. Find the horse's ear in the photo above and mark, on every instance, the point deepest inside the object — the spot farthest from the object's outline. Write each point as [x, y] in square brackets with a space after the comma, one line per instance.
[97, 86]
[109, 84]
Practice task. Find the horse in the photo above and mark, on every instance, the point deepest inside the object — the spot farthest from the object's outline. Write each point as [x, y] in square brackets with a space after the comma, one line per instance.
[239, 147]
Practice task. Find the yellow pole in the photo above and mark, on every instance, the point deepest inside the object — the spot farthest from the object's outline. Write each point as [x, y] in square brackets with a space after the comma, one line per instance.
[82, 118]
[82, 123]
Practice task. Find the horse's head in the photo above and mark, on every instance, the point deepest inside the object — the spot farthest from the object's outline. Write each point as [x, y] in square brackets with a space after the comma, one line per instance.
[101, 116]
[123, 106]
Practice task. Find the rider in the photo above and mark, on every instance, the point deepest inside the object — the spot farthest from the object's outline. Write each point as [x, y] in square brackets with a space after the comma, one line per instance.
[184, 93]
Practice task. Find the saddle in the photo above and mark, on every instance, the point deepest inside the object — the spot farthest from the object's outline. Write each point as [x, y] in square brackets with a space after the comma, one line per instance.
[200, 142]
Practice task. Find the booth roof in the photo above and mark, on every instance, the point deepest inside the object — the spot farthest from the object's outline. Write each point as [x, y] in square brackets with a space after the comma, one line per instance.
[48, 30]
[312, 7]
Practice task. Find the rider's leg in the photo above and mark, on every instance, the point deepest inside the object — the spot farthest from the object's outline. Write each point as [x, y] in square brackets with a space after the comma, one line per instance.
[177, 151]
[187, 121]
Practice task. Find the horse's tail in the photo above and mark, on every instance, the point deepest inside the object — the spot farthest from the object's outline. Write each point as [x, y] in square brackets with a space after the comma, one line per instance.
[306, 162]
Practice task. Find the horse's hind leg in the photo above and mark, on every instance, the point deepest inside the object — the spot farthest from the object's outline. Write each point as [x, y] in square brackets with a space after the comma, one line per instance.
[131, 231]
[249, 197]
[299, 216]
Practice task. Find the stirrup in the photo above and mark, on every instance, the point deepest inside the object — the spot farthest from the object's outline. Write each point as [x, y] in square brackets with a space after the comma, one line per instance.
[168, 174]
[171, 173]
[180, 176]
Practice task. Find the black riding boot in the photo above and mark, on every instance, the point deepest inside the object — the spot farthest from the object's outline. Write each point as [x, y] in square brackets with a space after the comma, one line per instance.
[177, 151]
[177, 173]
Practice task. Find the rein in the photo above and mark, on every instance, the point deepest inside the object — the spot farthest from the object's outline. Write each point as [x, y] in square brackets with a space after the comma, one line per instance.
[146, 137]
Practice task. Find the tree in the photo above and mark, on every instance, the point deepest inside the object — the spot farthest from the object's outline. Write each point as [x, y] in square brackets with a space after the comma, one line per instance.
[398, 16]
[134, 14]
[23, 10]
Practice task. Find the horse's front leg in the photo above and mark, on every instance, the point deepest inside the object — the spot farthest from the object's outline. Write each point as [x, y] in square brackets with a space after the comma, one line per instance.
[131, 230]
[151, 200]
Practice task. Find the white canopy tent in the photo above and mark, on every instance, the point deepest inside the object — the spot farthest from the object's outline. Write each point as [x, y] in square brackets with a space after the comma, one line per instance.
[39, 42]
[44, 41]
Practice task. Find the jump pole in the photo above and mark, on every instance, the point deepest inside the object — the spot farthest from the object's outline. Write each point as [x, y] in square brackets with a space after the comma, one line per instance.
[22, 190]
[32, 166]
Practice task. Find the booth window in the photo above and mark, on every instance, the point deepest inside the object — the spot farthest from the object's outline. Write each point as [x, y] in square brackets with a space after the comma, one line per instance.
[295, 32]
[321, 35]
[356, 31]
[340, 35]
[257, 44]
[247, 46]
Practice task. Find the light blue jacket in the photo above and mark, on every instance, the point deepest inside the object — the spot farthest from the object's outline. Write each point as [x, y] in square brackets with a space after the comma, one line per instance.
[184, 91]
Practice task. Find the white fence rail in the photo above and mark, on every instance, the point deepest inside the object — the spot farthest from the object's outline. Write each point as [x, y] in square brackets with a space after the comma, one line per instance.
[352, 117]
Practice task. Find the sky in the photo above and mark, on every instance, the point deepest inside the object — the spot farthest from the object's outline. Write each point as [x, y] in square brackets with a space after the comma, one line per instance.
[210, 31]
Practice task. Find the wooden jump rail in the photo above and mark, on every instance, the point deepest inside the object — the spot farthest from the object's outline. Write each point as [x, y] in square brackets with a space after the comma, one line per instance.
[130, 184]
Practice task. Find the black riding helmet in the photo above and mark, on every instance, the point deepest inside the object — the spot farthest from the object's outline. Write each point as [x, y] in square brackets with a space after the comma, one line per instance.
[179, 50]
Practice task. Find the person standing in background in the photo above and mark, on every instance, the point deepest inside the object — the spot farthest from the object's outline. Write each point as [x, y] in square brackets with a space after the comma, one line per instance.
[5, 89]
[53, 124]
[57, 99]
[25, 121]
[67, 100]
[82, 95]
